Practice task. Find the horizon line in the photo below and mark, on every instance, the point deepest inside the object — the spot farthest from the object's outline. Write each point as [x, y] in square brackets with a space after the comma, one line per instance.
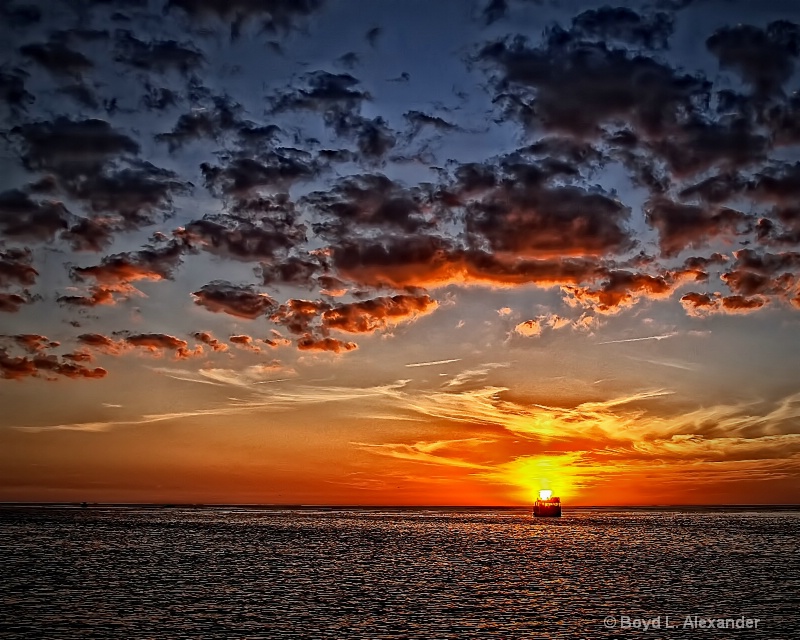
[385, 506]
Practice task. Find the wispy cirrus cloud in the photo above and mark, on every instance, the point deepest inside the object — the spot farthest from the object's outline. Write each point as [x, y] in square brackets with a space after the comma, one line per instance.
[426, 452]
[658, 338]
[432, 363]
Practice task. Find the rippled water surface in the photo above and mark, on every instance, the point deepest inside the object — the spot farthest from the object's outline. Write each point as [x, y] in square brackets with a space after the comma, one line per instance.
[170, 573]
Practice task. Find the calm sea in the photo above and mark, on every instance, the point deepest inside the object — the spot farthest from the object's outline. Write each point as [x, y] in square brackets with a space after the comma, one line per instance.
[261, 573]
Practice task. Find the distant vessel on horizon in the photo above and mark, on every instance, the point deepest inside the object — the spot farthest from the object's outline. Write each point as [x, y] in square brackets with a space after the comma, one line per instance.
[547, 506]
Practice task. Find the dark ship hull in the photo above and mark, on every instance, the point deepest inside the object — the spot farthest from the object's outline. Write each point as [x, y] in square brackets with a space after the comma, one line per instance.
[550, 508]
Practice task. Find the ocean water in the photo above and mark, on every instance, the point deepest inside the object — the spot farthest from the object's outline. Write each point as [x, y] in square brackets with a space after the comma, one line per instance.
[261, 573]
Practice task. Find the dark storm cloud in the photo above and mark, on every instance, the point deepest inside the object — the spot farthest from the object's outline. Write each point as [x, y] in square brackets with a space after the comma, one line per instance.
[601, 93]
[779, 184]
[766, 263]
[243, 238]
[373, 137]
[494, 11]
[714, 190]
[428, 261]
[241, 301]
[132, 4]
[782, 230]
[699, 145]
[89, 235]
[159, 98]
[764, 274]
[157, 55]
[328, 156]
[13, 91]
[12, 302]
[699, 266]
[310, 343]
[681, 226]
[57, 58]
[368, 200]
[71, 147]
[134, 193]
[80, 35]
[272, 15]
[210, 123]
[578, 153]
[42, 366]
[473, 178]
[419, 120]
[763, 58]
[276, 170]
[22, 217]
[783, 121]
[527, 218]
[575, 87]
[624, 25]
[45, 185]
[19, 16]
[293, 270]
[372, 36]
[255, 138]
[82, 94]
[16, 267]
[150, 263]
[750, 283]
[324, 92]
[643, 169]
[349, 60]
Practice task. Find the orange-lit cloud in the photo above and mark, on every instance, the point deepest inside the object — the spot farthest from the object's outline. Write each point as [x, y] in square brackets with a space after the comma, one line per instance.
[378, 313]
[145, 264]
[244, 342]
[206, 337]
[40, 366]
[704, 304]
[310, 343]
[622, 289]
[533, 328]
[102, 343]
[102, 294]
[158, 343]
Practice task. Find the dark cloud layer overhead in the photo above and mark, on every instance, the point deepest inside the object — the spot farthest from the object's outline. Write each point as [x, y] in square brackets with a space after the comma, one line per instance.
[199, 156]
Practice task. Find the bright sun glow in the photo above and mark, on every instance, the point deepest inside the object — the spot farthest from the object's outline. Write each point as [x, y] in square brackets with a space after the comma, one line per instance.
[544, 494]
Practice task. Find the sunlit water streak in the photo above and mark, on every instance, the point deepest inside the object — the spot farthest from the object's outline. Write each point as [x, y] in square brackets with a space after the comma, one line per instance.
[169, 573]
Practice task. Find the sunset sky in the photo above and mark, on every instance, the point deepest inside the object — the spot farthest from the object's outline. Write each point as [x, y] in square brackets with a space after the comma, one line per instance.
[395, 253]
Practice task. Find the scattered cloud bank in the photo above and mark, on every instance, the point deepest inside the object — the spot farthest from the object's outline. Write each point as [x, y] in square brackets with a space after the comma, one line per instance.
[340, 241]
